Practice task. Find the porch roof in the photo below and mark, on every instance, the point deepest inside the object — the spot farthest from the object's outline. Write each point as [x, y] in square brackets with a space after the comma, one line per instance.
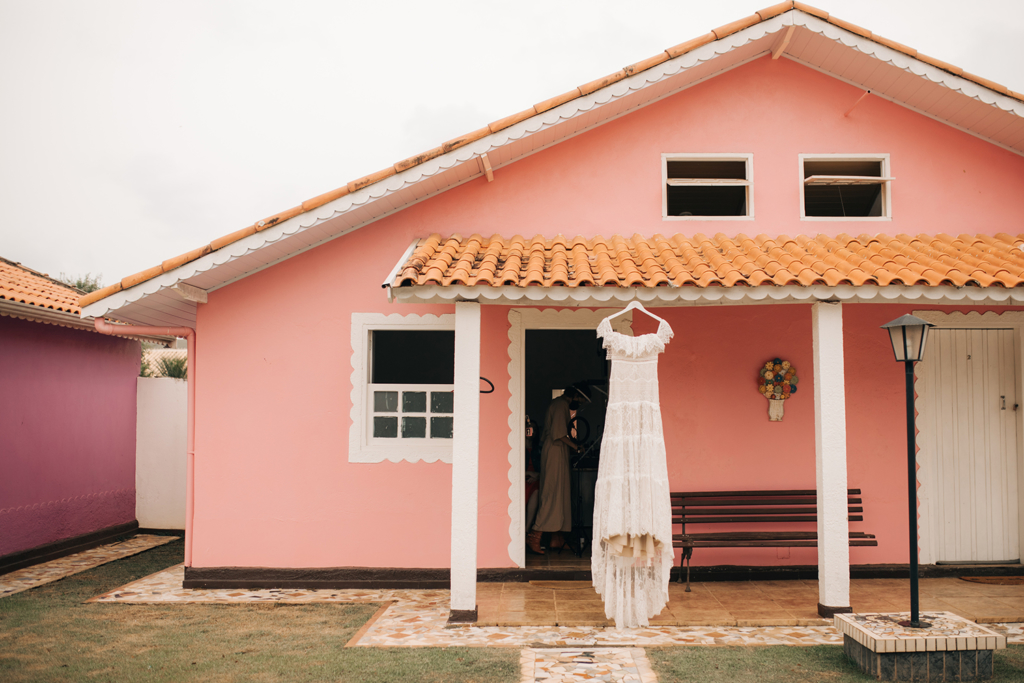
[720, 269]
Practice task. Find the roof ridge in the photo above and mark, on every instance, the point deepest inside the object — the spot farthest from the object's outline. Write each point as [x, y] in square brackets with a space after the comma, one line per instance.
[537, 109]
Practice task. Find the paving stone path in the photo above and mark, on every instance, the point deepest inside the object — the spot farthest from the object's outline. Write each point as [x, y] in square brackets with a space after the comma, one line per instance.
[47, 572]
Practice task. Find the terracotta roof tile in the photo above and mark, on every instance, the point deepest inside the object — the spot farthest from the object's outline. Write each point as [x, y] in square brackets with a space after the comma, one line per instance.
[501, 124]
[26, 286]
[599, 83]
[544, 106]
[502, 271]
[692, 44]
[719, 261]
[821, 14]
[738, 25]
[774, 10]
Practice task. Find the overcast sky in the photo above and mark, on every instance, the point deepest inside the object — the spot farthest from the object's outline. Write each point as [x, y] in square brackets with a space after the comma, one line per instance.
[131, 132]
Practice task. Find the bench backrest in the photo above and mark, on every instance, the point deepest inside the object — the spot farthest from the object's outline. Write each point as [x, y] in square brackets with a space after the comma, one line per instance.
[743, 507]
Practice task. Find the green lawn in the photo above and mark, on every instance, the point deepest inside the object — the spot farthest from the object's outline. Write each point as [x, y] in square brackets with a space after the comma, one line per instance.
[48, 634]
[785, 664]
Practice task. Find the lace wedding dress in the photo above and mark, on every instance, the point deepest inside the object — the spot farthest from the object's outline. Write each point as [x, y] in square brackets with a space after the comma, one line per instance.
[632, 553]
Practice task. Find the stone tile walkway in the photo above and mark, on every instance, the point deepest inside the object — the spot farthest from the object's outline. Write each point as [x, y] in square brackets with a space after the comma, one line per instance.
[418, 618]
[568, 666]
[47, 572]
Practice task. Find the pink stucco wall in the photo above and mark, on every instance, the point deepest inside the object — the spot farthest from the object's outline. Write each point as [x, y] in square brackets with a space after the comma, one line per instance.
[608, 181]
[67, 433]
[273, 483]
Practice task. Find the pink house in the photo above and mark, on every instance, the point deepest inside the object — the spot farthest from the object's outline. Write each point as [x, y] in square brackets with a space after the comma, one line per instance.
[777, 188]
[67, 423]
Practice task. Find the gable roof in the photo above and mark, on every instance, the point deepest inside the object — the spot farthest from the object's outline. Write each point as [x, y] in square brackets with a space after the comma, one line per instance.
[27, 294]
[790, 29]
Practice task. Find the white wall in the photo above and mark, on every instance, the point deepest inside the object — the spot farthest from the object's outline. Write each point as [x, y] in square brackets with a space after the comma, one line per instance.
[160, 443]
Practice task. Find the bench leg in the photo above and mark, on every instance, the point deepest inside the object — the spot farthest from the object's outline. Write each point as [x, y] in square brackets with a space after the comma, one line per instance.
[687, 555]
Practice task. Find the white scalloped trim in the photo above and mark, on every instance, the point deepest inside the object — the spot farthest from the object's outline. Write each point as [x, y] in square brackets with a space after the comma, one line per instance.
[909, 64]
[683, 296]
[516, 441]
[361, 323]
[989, 320]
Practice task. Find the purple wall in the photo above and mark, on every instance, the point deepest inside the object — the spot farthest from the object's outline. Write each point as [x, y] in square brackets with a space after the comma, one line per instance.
[67, 432]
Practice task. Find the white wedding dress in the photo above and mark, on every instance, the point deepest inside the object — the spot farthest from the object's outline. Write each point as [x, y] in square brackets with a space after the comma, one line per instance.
[632, 552]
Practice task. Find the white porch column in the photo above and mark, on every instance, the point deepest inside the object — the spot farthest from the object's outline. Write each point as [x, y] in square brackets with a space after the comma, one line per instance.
[830, 459]
[465, 457]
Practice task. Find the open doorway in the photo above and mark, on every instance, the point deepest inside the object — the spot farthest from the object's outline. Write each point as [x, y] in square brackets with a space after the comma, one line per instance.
[555, 359]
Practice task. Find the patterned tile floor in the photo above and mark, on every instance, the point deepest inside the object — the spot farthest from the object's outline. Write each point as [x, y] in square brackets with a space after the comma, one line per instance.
[37, 575]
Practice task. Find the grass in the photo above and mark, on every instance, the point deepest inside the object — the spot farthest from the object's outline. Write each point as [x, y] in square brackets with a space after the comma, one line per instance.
[789, 664]
[48, 634]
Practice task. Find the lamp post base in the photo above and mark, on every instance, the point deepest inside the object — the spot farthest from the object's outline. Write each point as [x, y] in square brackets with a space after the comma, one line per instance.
[914, 624]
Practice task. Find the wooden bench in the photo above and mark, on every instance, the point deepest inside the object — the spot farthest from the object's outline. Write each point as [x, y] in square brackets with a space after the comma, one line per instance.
[753, 507]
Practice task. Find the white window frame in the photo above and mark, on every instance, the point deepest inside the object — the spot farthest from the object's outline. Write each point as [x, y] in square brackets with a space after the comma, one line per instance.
[748, 183]
[362, 447]
[401, 389]
[886, 185]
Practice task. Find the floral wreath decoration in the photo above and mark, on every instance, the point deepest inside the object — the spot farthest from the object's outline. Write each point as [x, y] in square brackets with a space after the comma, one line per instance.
[777, 381]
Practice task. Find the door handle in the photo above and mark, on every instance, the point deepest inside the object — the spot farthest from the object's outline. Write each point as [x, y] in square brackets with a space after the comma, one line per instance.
[1003, 399]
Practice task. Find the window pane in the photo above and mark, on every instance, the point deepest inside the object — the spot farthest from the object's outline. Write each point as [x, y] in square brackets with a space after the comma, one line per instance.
[385, 401]
[413, 357]
[707, 200]
[732, 170]
[868, 167]
[843, 200]
[414, 427]
[442, 402]
[385, 427]
[414, 401]
[441, 427]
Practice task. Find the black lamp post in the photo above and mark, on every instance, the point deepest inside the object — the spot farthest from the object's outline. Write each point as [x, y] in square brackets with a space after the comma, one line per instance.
[908, 335]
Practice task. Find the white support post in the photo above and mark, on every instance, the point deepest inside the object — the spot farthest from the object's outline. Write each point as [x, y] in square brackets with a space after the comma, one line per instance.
[465, 461]
[830, 459]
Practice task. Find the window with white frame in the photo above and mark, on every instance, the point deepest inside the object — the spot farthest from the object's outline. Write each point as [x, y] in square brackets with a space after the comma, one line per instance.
[403, 383]
[707, 186]
[845, 187]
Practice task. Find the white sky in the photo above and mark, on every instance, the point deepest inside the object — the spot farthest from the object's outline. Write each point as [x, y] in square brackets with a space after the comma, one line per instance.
[131, 132]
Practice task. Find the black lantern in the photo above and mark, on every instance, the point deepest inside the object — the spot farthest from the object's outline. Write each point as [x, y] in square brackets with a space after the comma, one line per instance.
[908, 336]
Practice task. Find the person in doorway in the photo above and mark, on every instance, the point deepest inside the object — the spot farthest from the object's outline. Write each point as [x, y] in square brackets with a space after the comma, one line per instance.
[555, 513]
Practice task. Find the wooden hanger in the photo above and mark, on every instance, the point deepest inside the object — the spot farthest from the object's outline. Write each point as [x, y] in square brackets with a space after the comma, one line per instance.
[632, 305]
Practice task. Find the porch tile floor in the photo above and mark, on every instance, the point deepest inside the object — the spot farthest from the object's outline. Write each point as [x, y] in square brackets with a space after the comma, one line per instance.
[47, 572]
[536, 615]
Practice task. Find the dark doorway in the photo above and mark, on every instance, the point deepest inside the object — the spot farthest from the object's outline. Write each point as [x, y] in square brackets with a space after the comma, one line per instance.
[555, 359]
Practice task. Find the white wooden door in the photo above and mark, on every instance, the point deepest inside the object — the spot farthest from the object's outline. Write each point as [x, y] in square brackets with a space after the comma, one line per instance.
[966, 390]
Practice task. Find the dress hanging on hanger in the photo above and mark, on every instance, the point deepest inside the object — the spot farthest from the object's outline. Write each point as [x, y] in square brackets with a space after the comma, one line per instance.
[632, 554]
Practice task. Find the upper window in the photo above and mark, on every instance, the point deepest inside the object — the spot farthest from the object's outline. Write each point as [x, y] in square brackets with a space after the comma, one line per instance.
[841, 187]
[707, 186]
[403, 375]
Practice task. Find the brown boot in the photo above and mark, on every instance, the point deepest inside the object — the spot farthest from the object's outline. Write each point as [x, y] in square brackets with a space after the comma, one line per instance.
[557, 541]
[533, 542]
